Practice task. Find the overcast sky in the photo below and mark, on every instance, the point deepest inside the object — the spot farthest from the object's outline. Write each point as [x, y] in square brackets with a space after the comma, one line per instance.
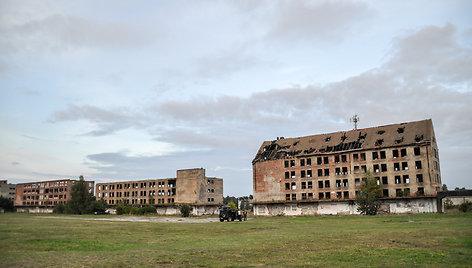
[126, 90]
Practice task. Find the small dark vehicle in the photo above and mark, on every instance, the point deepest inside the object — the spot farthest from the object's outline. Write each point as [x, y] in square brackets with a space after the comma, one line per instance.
[229, 214]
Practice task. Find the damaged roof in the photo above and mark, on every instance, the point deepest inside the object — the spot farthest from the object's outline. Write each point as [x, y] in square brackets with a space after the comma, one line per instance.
[411, 133]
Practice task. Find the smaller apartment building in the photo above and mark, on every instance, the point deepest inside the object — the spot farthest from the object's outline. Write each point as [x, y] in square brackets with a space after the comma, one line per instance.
[191, 186]
[7, 190]
[44, 194]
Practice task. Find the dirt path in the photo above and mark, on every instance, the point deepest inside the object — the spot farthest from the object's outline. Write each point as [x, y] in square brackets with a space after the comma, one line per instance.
[138, 219]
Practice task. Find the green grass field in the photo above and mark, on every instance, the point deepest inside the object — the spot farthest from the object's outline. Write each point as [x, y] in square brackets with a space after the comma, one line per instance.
[346, 241]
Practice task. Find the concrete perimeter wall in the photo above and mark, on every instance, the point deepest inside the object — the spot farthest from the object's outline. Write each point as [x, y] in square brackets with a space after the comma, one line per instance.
[417, 205]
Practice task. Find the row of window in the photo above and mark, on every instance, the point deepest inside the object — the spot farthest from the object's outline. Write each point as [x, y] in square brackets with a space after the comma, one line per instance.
[41, 197]
[320, 160]
[399, 192]
[405, 179]
[340, 171]
[138, 193]
[136, 185]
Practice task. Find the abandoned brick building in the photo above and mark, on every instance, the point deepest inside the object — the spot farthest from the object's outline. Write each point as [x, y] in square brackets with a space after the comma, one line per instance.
[321, 174]
[191, 186]
[45, 195]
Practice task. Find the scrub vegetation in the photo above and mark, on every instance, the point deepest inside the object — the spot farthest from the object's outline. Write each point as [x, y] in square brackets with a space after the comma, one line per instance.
[395, 240]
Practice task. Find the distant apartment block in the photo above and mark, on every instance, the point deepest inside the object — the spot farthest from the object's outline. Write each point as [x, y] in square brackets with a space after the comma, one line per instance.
[191, 186]
[7, 190]
[45, 195]
[322, 174]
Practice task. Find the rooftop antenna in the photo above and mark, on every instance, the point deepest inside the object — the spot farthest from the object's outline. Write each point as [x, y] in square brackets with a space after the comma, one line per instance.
[354, 120]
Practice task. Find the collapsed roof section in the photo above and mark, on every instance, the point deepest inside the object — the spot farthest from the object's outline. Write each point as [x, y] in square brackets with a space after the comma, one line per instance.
[418, 132]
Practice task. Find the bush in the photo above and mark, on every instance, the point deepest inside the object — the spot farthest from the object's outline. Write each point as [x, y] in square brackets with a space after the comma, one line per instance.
[448, 204]
[143, 210]
[233, 205]
[466, 206]
[59, 209]
[368, 198]
[6, 204]
[122, 208]
[185, 210]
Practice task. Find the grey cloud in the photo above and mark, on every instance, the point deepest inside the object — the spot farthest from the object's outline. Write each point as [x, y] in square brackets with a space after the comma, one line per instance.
[108, 121]
[14, 163]
[60, 32]
[321, 21]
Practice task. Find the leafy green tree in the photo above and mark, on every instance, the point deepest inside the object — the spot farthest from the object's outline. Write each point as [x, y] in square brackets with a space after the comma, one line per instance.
[368, 198]
[6, 204]
[185, 210]
[233, 205]
[82, 201]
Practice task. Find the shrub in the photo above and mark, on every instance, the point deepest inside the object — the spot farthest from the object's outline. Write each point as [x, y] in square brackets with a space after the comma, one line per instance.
[6, 204]
[185, 210]
[368, 199]
[233, 205]
[466, 206]
[448, 204]
[59, 209]
[122, 208]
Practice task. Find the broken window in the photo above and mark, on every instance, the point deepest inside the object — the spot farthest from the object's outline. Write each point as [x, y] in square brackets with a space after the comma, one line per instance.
[287, 186]
[285, 164]
[308, 173]
[395, 153]
[420, 191]
[344, 171]
[357, 181]
[376, 168]
[310, 196]
[383, 167]
[418, 165]
[406, 192]
[328, 139]
[287, 175]
[338, 183]
[336, 159]
[398, 192]
[405, 165]
[383, 155]
[345, 183]
[320, 173]
[385, 192]
[337, 171]
[356, 169]
[302, 173]
[417, 151]
[362, 156]
[292, 174]
[326, 172]
[363, 169]
[294, 186]
[379, 142]
[343, 158]
[406, 179]
[327, 184]
[419, 178]
[292, 163]
[308, 161]
[396, 166]
[310, 185]
[287, 196]
[398, 179]
[385, 180]
[346, 194]
[294, 196]
[378, 180]
[303, 185]
[400, 130]
[328, 195]
[302, 162]
[403, 152]
[303, 196]
[320, 184]
[320, 195]
[319, 160]
[339, 195]
[325, 160]
[355, 157]
[375, 155]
